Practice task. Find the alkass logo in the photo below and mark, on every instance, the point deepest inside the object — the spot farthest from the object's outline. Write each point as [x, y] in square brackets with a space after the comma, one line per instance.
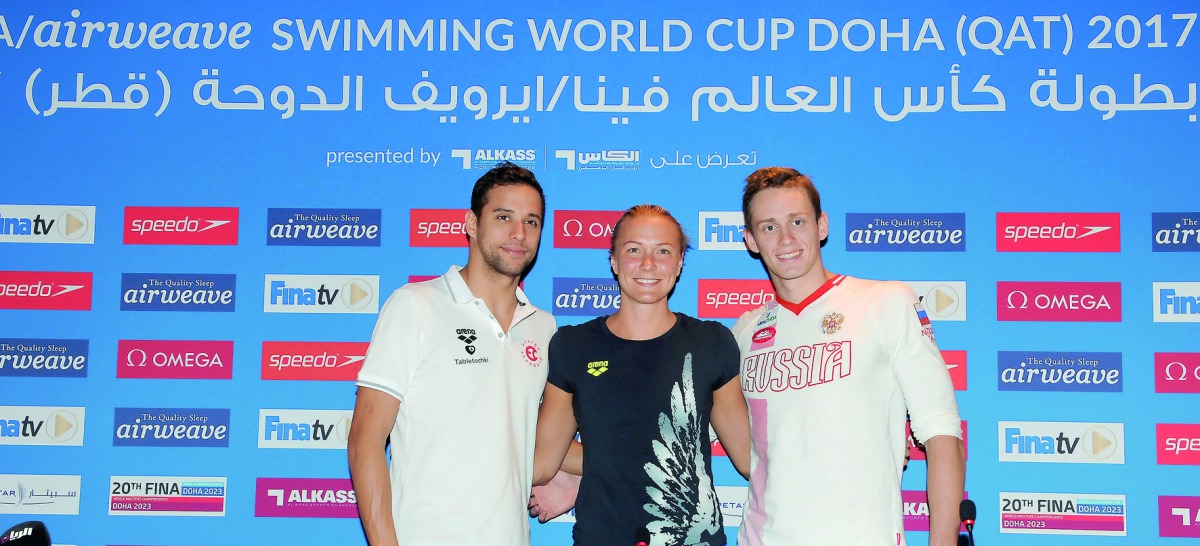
[50, 290]
[617, 160]
[304, 498]
[24, 357]
[1058, 301]
[438, 227]
[313, 360]
[1178, 516]
[956, 364]
[1178, 443]
[1177, 372]
[181, 225]
[1034, 442]
[47, 224]
[321, 294]
[916, 511]
[584, 228]
[164, 359]
[41, 426]
[916, 452]
[730, 298]
[1058, 232]
[1176, 231]
[486, 158]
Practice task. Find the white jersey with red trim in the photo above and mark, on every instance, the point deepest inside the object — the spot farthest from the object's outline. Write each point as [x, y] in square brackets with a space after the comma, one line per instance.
[828, 391]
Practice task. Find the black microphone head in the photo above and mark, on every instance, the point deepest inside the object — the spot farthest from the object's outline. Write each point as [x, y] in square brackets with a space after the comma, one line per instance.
[966, 510]
[642, 534]
[30, 533]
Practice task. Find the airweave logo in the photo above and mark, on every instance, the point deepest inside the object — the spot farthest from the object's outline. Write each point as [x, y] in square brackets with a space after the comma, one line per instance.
[722, 230]
[486, 158]
[1176, 231]
[178, 292]
[943, 300]
[1059, 371]
[313, 360]
[321, 294]
[305, 498]
[181, 225]
[171, 427]
[1177, 302]
[303, 428]
[586, 297]
[438, 228]
[41, 425]
[584, 228]
[24, 357]
[49, 290]
[1058, 301]
[168, 359]
[1058, 232]
[616, 160]
[47, 224]
[1035, 442]
[729, 298]
[906, 232]
[323, 227]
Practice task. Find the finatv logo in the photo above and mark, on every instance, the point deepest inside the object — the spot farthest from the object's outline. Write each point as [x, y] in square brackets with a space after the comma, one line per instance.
[39, 494]
[584, 228]
[48, 290]
[438, 228]
[171, 427]
[1062, 514]
[323, 227]
[1177, 302]
[47, 224]
[181, 225]
[916, 511]
[321, 294]
[617, 160]
[722, 231]
[1059, 371]
[1177, 372]
[167, 496]
[486, 158]
[303, 429]
[586, 297]
[313, 360]
[1176, 231]
[41, 425]
[1058, 232]
[956, 364]
[906, 232]
[1058, 301]
[916, 452]
[1178, 443]
[943, 300]
[24, 357]
[206, 292]
[1178, 516]
[304, 498]
[1034, 442]
[170, 359]
[730, 298]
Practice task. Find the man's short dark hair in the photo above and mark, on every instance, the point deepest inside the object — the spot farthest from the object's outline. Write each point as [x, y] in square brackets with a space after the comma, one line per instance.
[778, 177]
[503, 174]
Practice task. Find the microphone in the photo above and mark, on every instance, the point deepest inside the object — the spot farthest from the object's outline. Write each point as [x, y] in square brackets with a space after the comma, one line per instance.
[966, 513]
[30, 533]
[642, 536]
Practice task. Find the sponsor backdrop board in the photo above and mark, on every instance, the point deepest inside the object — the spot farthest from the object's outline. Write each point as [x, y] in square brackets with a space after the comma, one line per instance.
[204, 206]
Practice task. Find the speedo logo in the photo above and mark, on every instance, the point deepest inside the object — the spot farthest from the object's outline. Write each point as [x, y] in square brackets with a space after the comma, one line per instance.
[312, 360]
[178, 292]
[181, 225]
[52, 290]
[323, 227]
[1058, 232]
[321, 294]
[486, 158]
[47, 224]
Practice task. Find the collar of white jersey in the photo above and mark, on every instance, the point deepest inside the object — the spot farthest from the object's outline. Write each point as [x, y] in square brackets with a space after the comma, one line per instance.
[461, 293]
[816, 295]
